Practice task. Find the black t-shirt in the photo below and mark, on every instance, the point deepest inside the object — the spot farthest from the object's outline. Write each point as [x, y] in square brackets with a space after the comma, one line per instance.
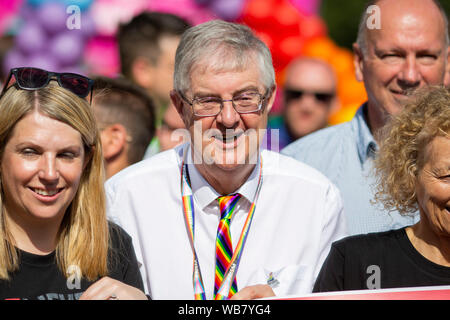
[39, 277]
[377, 261]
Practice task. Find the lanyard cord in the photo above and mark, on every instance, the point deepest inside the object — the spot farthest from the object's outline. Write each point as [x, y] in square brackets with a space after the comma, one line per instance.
[189, 218]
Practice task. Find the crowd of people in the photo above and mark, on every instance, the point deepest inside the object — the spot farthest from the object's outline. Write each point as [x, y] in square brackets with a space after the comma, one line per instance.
[157, 185]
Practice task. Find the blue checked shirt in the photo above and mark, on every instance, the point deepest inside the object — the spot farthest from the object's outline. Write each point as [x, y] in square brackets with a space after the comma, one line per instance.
[344, 153]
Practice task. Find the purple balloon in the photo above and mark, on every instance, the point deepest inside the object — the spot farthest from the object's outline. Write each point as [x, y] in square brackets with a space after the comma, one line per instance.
[88, 27]
[67, 48]
[52, 17]
[203, 2]
[72, 69]
[43, 61]
[31, 38]
[27, 12]
[227, 9]
[13, 59]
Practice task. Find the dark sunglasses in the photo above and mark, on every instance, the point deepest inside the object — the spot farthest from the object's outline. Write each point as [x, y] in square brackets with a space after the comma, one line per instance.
[34, 78]
[323, 97]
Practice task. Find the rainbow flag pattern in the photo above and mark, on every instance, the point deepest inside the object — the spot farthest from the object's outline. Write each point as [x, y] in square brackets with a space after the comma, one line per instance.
[224, 248]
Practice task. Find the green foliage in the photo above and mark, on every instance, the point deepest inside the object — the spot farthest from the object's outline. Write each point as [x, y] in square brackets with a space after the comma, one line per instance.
[342, 18]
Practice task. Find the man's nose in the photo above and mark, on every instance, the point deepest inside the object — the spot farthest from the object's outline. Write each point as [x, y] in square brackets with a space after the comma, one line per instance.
[410, 76]
[307, 101]
[228, 116]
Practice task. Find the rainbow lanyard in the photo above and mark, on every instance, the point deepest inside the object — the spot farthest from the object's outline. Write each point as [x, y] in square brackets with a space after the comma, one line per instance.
[188, 210]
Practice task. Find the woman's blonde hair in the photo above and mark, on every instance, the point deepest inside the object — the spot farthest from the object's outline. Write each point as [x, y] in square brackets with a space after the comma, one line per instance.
[83, 237]
[402, 149]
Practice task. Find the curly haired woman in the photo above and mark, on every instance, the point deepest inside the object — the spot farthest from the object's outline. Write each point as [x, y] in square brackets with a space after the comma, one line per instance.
[413, 170]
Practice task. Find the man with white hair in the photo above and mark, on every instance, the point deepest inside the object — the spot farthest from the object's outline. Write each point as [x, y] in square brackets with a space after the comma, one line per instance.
[216, 217]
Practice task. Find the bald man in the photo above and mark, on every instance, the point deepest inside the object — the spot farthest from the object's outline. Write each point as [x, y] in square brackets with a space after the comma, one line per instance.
[309, 96]
[409, 50]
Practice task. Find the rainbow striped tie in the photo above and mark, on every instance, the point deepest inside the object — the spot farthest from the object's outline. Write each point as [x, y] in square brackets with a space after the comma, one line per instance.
[224, 248]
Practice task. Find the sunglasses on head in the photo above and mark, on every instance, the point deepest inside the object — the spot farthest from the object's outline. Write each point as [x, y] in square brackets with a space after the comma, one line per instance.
[323, 97]
[33, 78]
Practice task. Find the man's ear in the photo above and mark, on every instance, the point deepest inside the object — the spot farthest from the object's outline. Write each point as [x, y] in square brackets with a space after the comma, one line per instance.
[177, 102]
[358, 60]
[142, 72]
[271, 98]
[114, 140]
[184, 113]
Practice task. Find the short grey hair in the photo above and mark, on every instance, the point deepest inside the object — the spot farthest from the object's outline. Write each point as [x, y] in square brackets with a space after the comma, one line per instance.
[361, 38]
[226, 46]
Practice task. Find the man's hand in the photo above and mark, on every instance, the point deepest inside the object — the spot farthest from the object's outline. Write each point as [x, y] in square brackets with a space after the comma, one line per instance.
[254, 292]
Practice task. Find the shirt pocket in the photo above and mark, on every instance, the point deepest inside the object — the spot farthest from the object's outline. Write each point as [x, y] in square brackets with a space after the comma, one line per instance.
[288, 280]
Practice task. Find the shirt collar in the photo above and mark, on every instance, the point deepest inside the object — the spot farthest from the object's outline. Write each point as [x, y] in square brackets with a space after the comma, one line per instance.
[365, 142]
[204, 193]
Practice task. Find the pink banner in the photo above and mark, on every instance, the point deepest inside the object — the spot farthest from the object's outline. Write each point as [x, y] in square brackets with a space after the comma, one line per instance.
[417, 293]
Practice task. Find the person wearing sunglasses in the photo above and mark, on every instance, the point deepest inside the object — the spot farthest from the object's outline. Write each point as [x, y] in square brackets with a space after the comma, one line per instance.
[410, 52]
[55, 240]
[35, 78]
[309, 98]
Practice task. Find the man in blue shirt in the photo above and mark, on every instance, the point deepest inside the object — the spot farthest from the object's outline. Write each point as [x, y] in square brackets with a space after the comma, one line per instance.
[408, 49]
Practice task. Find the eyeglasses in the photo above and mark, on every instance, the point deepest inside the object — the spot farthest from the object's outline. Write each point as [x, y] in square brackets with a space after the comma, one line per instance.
[34, 78]
[323, 97]
[246, 102]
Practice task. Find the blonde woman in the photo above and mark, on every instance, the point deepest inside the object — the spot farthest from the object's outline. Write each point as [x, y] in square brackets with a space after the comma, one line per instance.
[413, 170]
[55, 241]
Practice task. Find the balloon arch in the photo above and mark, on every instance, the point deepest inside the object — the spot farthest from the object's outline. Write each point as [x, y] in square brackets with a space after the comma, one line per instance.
[78, 35]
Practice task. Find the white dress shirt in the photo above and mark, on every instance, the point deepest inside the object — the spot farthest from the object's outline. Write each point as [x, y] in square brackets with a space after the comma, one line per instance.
[298, 215]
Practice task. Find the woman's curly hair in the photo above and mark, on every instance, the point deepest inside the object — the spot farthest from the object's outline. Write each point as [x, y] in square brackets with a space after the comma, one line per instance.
[402, 149]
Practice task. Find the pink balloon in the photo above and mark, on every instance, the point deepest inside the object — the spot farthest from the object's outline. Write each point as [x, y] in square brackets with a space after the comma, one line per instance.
[309, 7]
[8, 13]
[187, 9]
[108, 14]
[102, 57]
